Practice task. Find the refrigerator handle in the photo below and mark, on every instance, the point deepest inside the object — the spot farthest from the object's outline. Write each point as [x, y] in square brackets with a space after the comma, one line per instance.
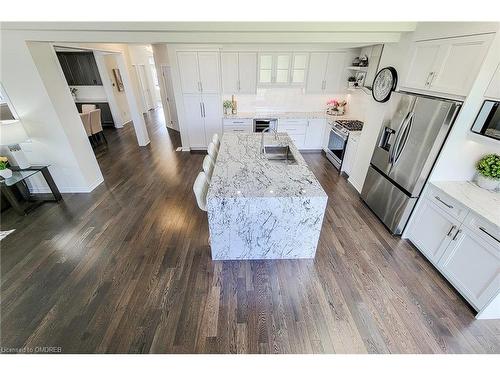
[392, 151]
[404, 138]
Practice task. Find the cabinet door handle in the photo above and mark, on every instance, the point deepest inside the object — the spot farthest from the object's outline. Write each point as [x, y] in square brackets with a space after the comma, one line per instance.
[451, 230]
[237, 122]
[427, 80]
[203, 105]
[489, 234]
[446, 204]
[433, 76]
[456, 234]
[201, 111]
[239, 86]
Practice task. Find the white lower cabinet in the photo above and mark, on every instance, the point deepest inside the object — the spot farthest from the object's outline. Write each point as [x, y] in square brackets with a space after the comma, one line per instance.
[203, 118]
[306, 134]
[314, 134]
[461, 244]
[471, 264]
[350, 154]
[432, 230]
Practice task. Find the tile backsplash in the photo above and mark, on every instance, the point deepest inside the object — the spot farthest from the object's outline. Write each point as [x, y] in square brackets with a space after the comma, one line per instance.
[295, 100]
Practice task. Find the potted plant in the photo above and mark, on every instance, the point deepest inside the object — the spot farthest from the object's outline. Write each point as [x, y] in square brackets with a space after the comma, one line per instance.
[4, 171]
[488, 172]
[228, 106]
[351, 82]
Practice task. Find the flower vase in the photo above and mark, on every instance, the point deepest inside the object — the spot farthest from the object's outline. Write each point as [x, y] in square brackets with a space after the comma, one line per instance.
[487, 183]
[6, 173]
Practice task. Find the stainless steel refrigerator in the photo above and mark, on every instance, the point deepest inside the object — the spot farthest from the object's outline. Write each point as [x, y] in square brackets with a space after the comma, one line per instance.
[413, 132]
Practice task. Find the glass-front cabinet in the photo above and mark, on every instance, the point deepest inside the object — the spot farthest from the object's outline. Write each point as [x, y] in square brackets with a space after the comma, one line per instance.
[282, 68]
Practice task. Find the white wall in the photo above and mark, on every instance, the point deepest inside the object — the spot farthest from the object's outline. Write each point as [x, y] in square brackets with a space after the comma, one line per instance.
[89, 93]
[34, 82]
[120, 96]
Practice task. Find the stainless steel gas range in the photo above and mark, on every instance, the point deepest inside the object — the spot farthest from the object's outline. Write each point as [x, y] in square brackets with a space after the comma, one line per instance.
[337, 141]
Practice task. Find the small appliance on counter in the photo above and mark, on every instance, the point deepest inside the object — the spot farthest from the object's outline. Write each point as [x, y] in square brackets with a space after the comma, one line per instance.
[337, 139]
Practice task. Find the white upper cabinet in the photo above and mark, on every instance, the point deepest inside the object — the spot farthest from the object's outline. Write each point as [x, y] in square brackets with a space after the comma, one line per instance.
[208, 63]
[199, 72]
[230, 75]
[325, 72]
[317, 70]
[266, 68]
[447, 66]
[421, 64]
[335, 70]
[188, 70]
[493, 90]
[239, 72]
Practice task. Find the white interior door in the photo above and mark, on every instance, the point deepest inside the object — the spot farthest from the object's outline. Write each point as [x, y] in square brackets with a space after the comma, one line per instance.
[169, 96]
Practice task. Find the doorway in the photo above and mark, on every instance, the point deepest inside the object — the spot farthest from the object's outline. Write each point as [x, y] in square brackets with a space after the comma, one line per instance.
[166, 73]
[147, 99]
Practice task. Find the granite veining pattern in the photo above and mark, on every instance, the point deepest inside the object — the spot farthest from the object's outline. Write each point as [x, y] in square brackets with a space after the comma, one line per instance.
[262, 209]
[483, 202]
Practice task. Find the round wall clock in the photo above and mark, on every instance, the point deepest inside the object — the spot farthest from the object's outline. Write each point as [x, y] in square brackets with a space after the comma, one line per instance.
[384, 84]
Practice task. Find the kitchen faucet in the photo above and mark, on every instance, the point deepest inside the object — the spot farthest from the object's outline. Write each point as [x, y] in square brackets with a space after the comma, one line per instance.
[262, 137]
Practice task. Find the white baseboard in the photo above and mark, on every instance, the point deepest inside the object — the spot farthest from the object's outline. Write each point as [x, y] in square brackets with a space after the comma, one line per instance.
[68, 189]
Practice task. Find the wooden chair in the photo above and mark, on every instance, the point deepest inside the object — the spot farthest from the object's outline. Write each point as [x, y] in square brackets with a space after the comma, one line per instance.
[96, 125]
[208, 167]
[88, 107]
[85, 117]
[212, 151]
[200, 189]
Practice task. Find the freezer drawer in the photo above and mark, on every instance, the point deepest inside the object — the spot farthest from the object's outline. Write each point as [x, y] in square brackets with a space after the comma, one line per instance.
[392, 206]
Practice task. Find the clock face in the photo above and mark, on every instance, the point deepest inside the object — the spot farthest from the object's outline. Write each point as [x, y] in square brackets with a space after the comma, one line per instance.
[384, 83]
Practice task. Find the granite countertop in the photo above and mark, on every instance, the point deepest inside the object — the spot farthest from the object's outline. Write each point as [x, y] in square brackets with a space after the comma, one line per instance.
[241, 170]
[278, 115]
[483, 202]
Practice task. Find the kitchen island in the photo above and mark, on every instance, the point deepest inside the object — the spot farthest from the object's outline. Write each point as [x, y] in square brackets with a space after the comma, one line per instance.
[260, 208]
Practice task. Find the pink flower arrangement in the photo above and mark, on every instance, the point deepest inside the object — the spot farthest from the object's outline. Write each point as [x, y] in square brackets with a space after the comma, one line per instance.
[336, 103]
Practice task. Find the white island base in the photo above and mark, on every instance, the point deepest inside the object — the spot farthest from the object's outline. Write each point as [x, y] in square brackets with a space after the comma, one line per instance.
[261, 209]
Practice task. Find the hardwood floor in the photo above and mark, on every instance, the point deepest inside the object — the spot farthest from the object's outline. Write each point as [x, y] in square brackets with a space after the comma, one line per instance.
[127, 269]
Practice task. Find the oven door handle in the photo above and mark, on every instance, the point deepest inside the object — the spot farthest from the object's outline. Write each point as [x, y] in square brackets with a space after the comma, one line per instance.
[343, 136]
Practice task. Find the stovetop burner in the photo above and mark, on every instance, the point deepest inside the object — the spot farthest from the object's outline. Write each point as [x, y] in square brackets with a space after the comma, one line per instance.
[351, 125]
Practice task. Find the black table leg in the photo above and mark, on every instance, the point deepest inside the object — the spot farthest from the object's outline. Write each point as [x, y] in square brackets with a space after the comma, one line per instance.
[13, 200]
[51, 183]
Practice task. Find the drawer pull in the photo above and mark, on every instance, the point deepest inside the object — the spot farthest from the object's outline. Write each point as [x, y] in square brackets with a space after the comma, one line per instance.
[451, 230]
[492, 236]
[446, 204]
[237, 122]
[456, 234]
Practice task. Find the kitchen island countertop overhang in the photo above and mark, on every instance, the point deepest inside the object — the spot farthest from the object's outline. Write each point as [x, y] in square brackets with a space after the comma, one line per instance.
[260, 208]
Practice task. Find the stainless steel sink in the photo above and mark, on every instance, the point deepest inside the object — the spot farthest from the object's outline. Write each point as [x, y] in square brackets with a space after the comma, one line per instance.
[280, 153]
